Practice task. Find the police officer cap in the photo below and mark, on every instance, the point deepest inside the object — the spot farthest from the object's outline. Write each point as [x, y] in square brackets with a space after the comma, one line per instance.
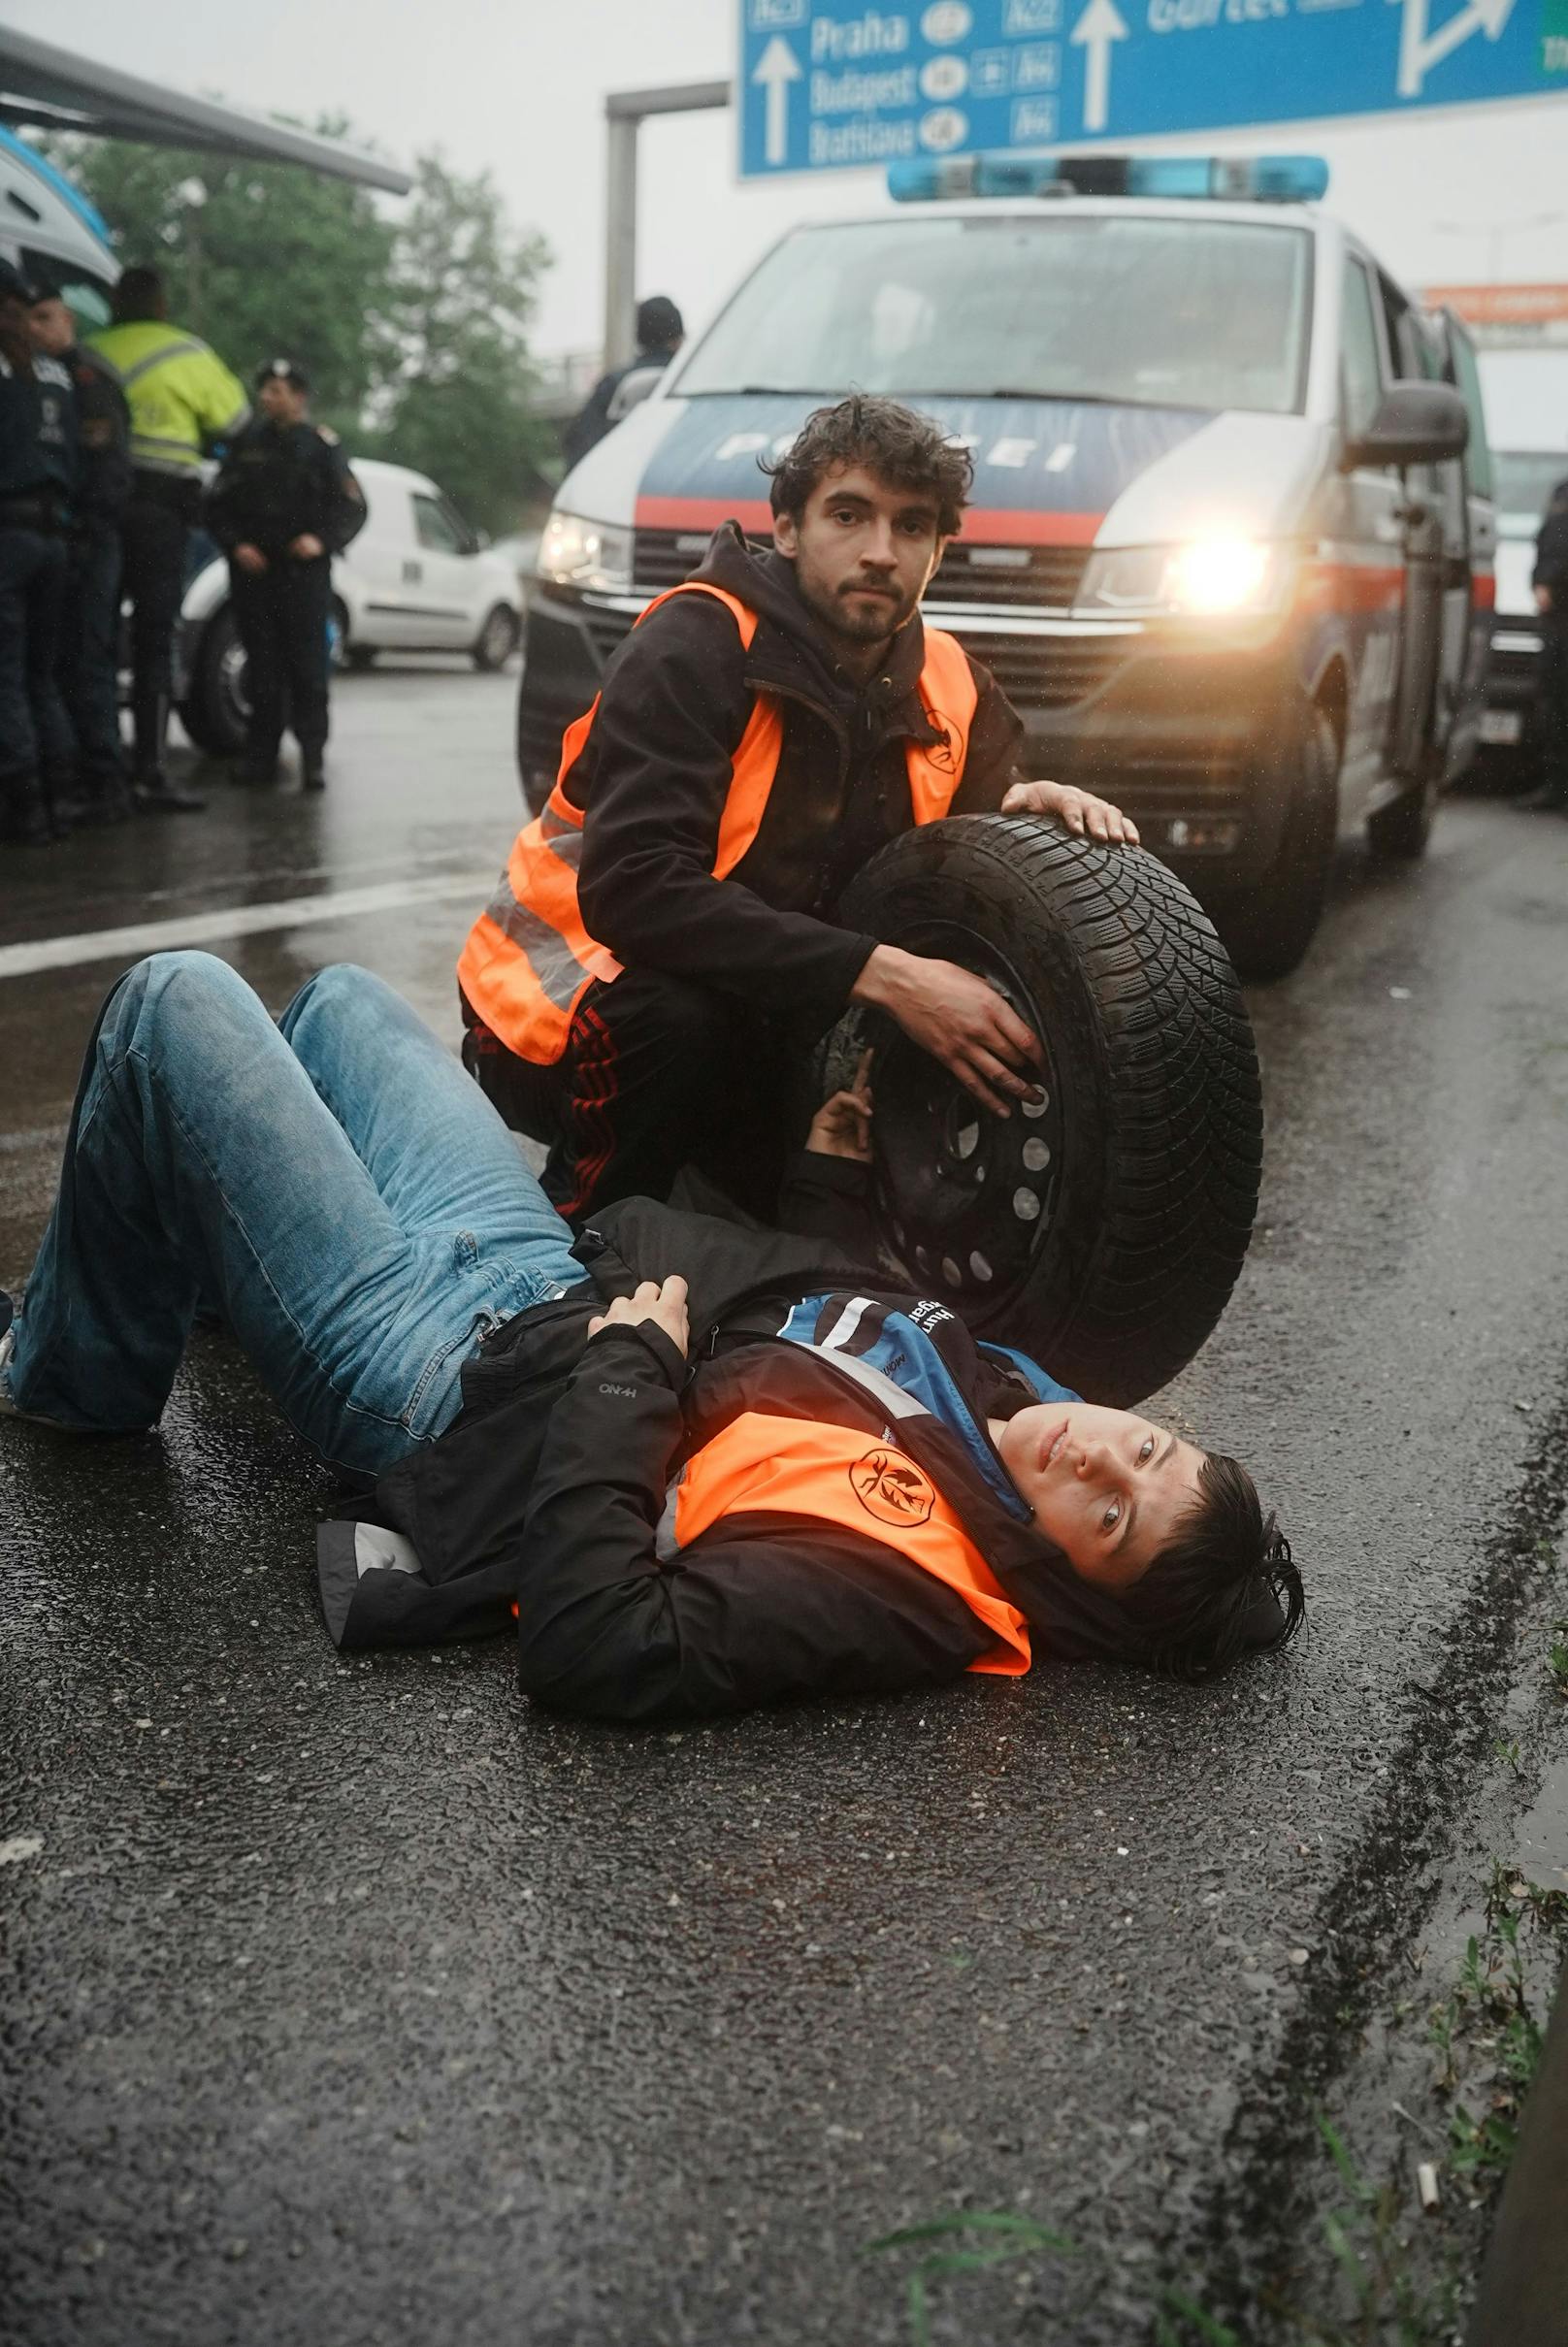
[282, 371]
[14, 286]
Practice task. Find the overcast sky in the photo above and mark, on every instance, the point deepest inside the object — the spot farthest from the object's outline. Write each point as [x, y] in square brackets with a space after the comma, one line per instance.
[517, 88]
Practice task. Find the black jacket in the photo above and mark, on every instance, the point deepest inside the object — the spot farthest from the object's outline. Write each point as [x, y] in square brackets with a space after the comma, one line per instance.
[38, 431]
[280, 482]
[1552, 548]
[593, 419]
[549, 1487]
[655, 771]
[103, 441]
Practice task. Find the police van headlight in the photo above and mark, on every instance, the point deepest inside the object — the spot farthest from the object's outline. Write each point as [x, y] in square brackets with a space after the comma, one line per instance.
[1204, 577]
[574, 552]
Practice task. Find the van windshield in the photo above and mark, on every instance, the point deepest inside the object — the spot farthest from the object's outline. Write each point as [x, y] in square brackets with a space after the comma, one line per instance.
[1155, 313]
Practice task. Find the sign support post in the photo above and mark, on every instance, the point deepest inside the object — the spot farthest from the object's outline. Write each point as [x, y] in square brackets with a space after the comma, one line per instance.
[623, 113]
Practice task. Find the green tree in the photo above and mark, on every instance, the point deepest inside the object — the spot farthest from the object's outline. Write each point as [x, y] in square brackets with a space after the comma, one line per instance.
[455, 397]
[412, 320]
[259, 258]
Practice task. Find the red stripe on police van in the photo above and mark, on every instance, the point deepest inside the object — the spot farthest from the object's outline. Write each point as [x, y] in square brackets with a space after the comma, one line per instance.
[1484, 590]
[704, 513]
[986, 525]
[1005, 526]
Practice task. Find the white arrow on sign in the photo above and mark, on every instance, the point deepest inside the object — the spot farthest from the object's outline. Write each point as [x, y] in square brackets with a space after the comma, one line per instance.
[1099, 25]
[1420, 50]
[776, 69]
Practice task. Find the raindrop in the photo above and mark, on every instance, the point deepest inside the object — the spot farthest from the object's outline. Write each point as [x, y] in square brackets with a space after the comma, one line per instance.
[979, 1267]
[1037, 1108]
[950, 1271]
[1026, 1205]
[922, 1258]
[1036, 1155]
[968, 1140]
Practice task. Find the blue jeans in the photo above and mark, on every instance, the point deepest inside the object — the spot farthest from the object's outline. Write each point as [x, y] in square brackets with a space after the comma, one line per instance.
[335, 1182]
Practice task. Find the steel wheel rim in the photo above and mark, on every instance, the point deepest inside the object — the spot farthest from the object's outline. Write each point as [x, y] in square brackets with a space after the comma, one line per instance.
[942, 1160]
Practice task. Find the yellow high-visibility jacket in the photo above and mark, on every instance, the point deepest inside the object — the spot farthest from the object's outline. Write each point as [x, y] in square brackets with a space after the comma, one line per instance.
[180, 395]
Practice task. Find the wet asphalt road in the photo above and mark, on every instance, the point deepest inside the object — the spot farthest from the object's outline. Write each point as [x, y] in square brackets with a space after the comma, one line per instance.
[358, 2001]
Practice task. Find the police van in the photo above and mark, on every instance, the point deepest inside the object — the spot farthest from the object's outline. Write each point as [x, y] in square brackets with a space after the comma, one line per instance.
[1231, 541]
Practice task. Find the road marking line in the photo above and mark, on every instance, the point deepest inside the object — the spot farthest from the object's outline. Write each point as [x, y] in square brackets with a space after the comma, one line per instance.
[236, 921]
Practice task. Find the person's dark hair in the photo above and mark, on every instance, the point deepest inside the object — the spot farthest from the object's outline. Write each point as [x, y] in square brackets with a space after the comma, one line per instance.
[907, 450]
[1226, 1582]
[659, 325]
[138, 296]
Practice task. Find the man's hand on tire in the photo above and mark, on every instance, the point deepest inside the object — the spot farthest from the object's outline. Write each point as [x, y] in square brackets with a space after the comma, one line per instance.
[959, 1018]
[662, 1302]
[1080, 810]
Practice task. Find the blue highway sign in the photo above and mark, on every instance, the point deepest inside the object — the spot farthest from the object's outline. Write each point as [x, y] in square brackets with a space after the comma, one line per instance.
[827, 83]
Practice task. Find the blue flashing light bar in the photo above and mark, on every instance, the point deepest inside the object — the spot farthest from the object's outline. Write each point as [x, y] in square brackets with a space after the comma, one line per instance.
[1235, 179]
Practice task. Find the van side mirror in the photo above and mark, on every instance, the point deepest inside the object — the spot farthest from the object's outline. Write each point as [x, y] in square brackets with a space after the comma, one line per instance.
[1416, 424]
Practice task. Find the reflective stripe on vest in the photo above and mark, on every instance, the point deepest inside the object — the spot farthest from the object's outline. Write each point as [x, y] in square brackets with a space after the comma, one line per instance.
[840, 1475]
[529, 958]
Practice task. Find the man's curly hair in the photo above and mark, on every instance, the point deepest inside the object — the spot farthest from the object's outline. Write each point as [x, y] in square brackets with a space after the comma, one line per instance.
[907, 450]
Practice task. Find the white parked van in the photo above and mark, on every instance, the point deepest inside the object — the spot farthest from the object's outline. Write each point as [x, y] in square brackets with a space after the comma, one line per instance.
[1229, 552]
[417, 578]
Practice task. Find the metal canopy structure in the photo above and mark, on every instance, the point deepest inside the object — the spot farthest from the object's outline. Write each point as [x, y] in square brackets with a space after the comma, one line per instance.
[51, 88]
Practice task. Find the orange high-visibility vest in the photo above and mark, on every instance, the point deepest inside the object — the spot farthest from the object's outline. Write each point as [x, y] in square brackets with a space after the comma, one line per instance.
[529, 958]
[838, 1474]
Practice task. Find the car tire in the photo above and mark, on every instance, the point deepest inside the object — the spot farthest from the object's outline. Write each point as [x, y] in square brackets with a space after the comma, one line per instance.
[1399, 832]
[1268, 924]
[1103, 1233]
[498, 640]
[359, 657]
[215, 710]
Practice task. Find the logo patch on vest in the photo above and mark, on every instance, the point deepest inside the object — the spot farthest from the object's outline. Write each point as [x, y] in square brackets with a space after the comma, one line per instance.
[942, 754]
[892, 1487]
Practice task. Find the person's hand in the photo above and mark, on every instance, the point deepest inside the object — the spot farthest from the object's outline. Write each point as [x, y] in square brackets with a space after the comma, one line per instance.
[305, 547]
[251, 558]
[842, 1125]
[1543, 599]
[1080, 810]
[662, 1302]
[958, 1018]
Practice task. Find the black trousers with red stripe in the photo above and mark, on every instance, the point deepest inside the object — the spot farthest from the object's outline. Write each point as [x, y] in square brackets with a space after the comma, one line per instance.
[657, 1074]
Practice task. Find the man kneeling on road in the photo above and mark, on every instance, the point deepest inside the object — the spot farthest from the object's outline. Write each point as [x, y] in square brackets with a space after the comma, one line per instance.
[663, 945]
[708, 1466]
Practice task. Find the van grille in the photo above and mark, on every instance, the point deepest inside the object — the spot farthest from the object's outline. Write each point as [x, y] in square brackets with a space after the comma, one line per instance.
[1049, 671]
[1036, 579]
[663, 558]
[1034, 671]
[1033, 578]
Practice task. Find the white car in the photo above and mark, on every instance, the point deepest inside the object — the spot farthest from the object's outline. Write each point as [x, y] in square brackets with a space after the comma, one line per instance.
[417, 578]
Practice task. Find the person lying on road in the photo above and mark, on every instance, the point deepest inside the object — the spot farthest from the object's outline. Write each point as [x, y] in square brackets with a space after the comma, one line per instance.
[664, 936]
[709, 1466]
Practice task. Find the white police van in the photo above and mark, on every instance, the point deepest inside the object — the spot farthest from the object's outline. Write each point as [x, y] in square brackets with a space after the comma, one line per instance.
[1230, 546]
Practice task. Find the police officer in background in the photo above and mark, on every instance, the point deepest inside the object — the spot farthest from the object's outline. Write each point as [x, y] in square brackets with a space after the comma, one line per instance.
[661, 331]
[38, 462]
[183, 400]
[89, 636]
[1549, 582]
[284, 503]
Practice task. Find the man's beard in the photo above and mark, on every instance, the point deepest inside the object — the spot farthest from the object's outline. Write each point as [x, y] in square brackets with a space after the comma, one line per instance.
[868, 623]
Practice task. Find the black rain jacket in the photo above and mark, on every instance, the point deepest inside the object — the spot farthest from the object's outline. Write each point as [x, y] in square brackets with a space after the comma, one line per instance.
[655, 771]
[549, 1486]
[282, 482]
